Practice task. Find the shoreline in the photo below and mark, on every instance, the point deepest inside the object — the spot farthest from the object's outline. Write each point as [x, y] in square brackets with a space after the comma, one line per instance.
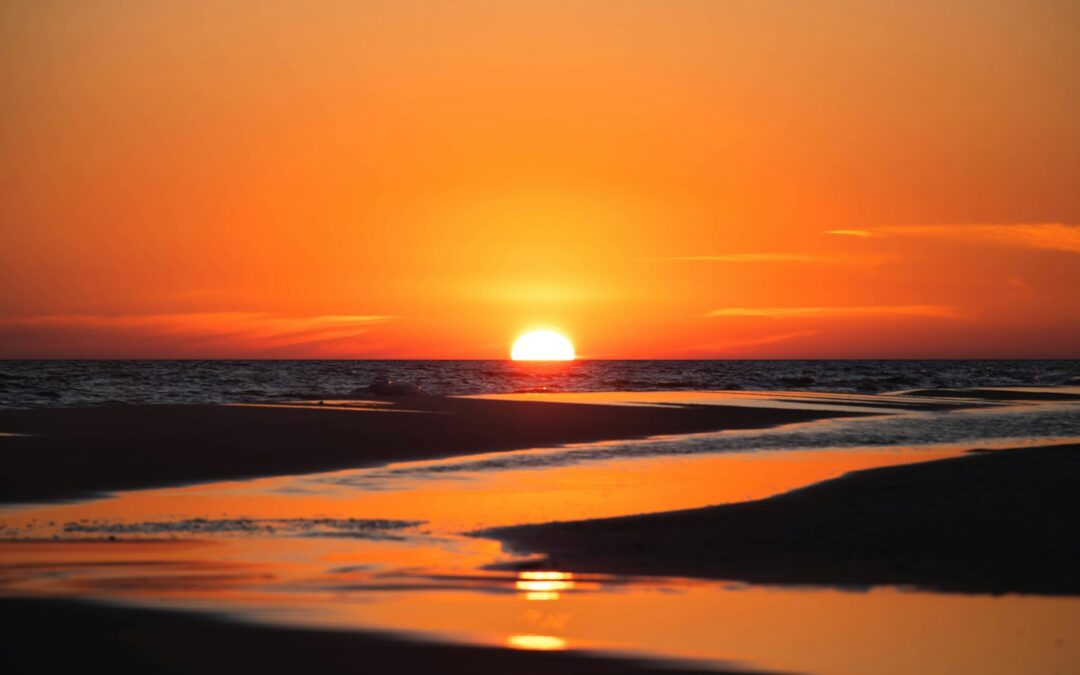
[121, 640]
[58, 454]
[989, 522]
[1001, 521]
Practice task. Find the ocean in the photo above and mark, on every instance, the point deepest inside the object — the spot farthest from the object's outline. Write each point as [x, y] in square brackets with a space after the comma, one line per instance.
[29, 383]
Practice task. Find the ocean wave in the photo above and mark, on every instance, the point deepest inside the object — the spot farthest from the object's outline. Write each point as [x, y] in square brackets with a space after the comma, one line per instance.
[27, 384]
[975, 428]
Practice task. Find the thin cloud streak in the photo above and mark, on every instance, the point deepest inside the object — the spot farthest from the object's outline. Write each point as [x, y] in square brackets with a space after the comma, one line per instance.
[852, 233]
[1042, 236]
[740, 258]
[934, 311]
[739, 344]
[746, 258]
[249, 331]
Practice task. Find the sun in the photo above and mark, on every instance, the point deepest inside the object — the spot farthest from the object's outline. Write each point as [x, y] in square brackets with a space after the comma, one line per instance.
[542, 345]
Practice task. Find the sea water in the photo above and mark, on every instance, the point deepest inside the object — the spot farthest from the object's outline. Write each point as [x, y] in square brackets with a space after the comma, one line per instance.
[76, 383]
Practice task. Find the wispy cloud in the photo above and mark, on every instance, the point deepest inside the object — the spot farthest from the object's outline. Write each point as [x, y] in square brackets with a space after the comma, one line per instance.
[231, 331]
[744, 258]
[737, 344]
[738, 258]
[1044, 236]
[935, 311]
[852, 233]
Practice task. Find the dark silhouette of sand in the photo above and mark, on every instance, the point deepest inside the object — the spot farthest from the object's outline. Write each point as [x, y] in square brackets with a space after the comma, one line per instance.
[63, 636]
[987, 522]
[78, 452]
[997, 522]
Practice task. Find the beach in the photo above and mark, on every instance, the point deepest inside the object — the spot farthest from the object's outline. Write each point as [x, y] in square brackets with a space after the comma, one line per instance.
[60, 453]
[428, 533]
[126, 640]
[1010, 529]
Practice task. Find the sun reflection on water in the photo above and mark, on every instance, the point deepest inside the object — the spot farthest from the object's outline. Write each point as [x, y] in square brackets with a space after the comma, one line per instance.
[545, 643]
[345, 551]
[544, 585]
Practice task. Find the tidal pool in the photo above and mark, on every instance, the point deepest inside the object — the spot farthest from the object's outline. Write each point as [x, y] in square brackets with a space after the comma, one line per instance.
[389, 549]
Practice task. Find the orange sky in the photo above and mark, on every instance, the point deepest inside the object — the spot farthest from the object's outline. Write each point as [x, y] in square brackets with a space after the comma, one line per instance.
[660, 179]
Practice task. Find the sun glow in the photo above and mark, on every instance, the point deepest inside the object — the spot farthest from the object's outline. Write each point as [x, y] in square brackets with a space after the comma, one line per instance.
[542, 345]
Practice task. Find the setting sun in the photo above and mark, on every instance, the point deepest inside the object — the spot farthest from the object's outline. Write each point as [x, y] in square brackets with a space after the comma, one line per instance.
[346, 252]
[542, 345]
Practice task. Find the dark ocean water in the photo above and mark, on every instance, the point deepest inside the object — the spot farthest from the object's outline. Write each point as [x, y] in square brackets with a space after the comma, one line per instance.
[73, 383]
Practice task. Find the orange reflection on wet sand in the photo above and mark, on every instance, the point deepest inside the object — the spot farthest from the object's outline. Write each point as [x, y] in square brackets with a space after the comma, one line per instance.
[427, 582]
[775, 629]
[285, 550]
[804, 400]
[457, 501]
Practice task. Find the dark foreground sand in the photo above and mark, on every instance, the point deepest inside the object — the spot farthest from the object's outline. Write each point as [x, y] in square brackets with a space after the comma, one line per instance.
[59, 636]
[988, 522]
[77, 452]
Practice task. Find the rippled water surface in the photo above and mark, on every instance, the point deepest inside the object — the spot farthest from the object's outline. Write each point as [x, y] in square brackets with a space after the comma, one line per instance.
[389, 548]
[52, 383]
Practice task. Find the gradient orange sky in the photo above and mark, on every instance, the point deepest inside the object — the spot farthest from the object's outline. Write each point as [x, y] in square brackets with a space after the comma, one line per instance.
[661, 179]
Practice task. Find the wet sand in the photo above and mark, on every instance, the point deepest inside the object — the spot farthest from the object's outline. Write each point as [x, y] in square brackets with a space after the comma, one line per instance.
[68, 453]
[1001, 394]
[985, 523]
[988, 522]
[62, 636]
